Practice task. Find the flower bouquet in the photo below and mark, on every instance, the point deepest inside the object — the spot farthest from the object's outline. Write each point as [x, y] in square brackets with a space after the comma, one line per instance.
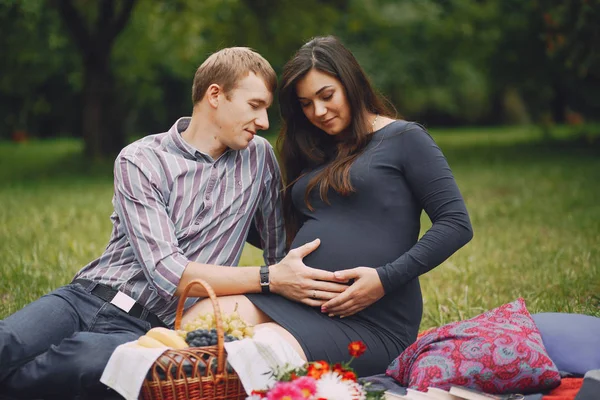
[319, 380]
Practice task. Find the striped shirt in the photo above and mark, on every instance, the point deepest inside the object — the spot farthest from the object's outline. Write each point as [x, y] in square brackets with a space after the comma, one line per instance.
[174, 204]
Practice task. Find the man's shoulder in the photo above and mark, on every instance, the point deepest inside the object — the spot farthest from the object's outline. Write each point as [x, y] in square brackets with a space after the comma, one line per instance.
[146, 145]
[261, 141]
[260, 145]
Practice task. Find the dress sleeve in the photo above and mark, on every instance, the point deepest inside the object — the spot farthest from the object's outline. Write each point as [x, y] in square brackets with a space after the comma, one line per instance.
[269, 214]
[142, 211]
[431, 181]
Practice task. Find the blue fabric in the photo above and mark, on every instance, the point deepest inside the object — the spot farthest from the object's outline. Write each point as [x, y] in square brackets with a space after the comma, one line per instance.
[571, 340]
[59, 345]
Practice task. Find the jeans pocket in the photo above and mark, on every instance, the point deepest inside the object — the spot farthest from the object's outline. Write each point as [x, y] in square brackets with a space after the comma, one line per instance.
[112, 319]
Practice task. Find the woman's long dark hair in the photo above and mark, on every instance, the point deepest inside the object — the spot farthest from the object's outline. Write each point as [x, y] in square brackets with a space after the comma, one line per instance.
[302, 145]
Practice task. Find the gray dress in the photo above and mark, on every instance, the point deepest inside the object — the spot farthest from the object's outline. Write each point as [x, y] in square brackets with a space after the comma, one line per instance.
[401, 172]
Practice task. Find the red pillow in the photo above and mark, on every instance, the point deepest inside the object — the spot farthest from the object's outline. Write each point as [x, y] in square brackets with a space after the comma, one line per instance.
[500, 351]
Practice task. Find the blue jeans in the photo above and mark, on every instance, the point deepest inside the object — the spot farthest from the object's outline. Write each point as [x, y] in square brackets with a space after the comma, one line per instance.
[59, 345]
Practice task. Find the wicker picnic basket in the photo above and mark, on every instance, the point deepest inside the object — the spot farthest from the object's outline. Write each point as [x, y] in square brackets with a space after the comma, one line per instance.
[195, 373]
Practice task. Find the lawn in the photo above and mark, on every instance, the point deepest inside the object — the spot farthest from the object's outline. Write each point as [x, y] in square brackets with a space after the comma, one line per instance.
[534, 205]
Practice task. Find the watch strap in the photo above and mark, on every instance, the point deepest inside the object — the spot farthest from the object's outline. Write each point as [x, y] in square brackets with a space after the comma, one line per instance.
[264, 279]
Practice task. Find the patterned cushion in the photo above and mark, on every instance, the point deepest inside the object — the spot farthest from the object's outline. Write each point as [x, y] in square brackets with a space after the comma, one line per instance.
[500, 351]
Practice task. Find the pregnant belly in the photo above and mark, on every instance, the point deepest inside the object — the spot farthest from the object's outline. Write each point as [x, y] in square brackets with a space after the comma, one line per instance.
[348, 245]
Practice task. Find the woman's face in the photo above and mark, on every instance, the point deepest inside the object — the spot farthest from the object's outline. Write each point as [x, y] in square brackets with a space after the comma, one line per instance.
[324, 102]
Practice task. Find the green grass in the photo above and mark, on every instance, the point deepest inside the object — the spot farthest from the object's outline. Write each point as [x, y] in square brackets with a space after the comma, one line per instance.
[534, 205]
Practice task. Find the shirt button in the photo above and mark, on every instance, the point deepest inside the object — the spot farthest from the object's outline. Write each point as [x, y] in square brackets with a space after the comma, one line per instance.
[207, 197]
[196, 223]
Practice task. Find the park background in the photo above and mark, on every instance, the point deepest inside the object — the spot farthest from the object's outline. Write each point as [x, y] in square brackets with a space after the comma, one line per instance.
[509, 89]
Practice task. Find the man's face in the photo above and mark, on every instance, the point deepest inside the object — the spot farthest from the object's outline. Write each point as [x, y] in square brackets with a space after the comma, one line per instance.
[243, 112]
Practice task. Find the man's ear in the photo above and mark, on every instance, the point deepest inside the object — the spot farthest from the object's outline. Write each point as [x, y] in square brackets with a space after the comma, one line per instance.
[212, 95]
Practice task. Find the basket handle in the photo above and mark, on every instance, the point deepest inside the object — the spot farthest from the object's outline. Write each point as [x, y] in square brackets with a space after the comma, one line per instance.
[218, 320]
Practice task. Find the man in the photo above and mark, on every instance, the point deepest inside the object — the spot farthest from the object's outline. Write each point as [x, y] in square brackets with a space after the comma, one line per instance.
[183, 204]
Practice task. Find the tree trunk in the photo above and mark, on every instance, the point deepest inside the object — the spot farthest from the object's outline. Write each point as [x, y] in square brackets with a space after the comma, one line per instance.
[558, 105]
[102, 130]
[102, 120]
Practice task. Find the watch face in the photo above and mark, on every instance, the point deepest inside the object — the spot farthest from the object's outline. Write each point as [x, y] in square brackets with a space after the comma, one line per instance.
[264, 275]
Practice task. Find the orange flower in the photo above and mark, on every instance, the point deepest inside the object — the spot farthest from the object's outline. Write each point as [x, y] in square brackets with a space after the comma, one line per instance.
[316, 369]
[356, 349]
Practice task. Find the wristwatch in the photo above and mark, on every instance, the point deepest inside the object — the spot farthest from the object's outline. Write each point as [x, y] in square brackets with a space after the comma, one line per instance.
[264, 279]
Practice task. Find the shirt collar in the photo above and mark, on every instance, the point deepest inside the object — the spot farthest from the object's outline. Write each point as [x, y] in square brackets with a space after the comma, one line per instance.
[180, 144]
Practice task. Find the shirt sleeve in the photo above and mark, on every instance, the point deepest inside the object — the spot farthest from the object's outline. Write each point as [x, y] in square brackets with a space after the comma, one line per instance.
[141, 207]
[431, 181]
[269, 214]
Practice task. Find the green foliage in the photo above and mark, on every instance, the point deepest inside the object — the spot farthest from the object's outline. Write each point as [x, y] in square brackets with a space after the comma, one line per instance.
[37, 66]
[572, 34]
[572, 37]
[165, 42]
[421, 54]
[439, 62]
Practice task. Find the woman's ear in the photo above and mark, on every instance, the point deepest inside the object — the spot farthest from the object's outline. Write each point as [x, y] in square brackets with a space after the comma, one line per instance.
[212, 95]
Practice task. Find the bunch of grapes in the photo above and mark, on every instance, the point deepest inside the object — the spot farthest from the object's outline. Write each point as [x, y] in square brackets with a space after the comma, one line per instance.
[205, 337]
[233, 325]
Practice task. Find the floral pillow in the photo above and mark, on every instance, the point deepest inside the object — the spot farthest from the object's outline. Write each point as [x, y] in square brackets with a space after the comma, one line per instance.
[500, 351]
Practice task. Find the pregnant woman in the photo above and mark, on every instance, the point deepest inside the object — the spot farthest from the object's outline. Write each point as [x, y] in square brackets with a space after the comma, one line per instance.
[358, 180]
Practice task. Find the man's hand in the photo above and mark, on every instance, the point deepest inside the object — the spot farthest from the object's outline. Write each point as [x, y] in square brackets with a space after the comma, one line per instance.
[365, 290]
[292, 279]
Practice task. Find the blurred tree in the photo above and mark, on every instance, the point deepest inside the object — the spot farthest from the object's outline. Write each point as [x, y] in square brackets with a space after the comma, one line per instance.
[156, 57]
[123, 68]
[571, 33]
[38, 69]
[94, 32]
[521, 63]
[548, 53]
[429, 57]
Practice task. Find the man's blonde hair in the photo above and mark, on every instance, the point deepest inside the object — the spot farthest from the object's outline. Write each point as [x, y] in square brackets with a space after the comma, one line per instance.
[227, 67]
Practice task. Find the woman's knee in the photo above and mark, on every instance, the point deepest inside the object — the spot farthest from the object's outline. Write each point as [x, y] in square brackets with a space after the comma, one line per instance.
[285, 334]
[228, 304]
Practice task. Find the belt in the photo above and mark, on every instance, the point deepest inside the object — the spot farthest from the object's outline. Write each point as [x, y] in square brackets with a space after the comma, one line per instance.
[122, 301]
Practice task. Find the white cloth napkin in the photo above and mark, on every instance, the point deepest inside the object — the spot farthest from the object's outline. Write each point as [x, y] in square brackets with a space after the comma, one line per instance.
[254, 359]
[127, 368]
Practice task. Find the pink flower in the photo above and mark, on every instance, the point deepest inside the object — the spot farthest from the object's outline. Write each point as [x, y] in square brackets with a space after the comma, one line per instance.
[307, 385]
[285, 391]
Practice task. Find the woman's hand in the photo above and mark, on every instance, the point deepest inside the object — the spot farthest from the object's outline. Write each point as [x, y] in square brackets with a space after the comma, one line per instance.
[292, 279]
[365, 290]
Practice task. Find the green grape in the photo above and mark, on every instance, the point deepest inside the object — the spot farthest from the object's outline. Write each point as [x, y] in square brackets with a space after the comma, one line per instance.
[232, 323]
[238, 334]
[248, 331]
[235, 325]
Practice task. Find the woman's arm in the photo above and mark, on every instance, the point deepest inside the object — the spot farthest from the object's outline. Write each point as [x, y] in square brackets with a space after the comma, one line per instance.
[428, 174]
